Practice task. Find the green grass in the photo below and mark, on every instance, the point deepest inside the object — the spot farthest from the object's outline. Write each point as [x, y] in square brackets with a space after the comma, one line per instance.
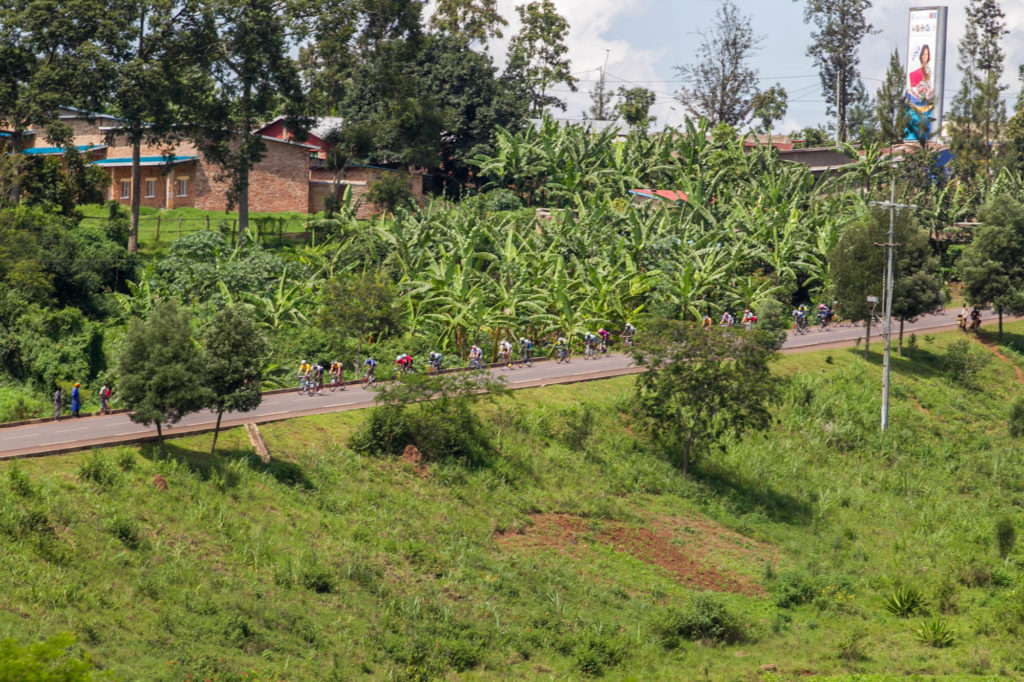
[327, 565]
[195, 220]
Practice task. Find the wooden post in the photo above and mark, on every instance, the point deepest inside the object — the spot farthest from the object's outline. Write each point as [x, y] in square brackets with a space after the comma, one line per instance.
[207, 222]
[158, 230]
[234, 232]
[179, 228]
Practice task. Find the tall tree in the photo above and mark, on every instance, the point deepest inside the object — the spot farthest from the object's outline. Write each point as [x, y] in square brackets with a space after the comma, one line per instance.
[254, 78]
[702, 385]
[537, 58]
[890, 103]
[634, 107]
[770, 106]
[234, 352]
[721, 85]
[159, 371]
[601, 100]
[471, 20]
[50, 57]
[840, 27]
[1011, 152]
[154, 62]
[992, 265]
[978, 111]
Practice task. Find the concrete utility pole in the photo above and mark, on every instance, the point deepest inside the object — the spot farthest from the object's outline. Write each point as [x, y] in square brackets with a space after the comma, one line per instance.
[887, 301]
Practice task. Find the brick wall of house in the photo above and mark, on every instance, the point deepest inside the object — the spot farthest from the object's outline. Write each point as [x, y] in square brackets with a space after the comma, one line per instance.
[360, 179]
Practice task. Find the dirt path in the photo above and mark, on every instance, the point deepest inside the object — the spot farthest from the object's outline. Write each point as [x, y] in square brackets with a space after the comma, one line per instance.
[999, 354]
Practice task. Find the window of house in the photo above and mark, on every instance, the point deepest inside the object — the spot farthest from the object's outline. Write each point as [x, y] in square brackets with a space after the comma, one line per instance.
[150, 189]
[182, 187]
[126, 189]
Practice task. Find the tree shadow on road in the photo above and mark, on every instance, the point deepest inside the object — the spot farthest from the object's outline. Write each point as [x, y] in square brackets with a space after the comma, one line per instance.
[209, 466]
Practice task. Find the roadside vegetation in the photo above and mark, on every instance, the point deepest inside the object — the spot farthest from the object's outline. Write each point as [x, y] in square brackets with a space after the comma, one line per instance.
[569, 547]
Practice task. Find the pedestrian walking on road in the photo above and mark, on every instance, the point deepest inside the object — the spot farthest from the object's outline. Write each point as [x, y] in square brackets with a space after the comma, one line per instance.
[57, 399]
[76, 401]
[105, 398]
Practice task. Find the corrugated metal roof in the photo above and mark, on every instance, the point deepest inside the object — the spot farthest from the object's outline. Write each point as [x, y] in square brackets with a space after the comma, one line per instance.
[144, 161]
[668, 194]
[325, 125]
[54, 151]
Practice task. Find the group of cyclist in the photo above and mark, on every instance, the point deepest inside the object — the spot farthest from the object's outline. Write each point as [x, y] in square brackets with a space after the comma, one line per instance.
[825, 316]
[311, 376]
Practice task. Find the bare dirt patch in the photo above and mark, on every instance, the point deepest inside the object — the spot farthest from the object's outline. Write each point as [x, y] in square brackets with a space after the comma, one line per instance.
[999, 354]
[691, 549]
[413, 457]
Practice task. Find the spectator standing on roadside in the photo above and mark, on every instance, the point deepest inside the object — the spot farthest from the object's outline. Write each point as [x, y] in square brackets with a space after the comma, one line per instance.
[57, 400]
[76, 401]
[105, 398]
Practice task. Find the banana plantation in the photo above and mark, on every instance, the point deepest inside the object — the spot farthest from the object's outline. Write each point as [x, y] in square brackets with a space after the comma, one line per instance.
[753, 230]
[553, 243]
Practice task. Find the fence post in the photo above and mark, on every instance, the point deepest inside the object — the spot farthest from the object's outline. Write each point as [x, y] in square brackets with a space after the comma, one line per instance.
[179, 228]
[158, 230]
[280, 232]
[207, 222]
[234, 232]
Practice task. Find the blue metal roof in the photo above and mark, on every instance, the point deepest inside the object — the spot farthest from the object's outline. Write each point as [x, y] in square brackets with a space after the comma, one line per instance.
[50, 151]
[145, 161]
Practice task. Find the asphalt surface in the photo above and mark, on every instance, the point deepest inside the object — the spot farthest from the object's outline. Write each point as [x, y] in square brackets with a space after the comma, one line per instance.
[70, 434]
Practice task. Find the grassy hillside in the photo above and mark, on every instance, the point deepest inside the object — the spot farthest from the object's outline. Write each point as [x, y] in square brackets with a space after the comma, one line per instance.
[574, 553]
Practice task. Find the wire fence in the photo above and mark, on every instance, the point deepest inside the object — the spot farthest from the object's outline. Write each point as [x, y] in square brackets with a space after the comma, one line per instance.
[157, 230]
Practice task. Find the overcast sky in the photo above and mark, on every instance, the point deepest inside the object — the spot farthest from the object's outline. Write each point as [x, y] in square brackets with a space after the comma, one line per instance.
[646, 38]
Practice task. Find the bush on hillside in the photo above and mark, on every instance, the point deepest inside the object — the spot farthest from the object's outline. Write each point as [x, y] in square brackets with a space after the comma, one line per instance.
[704, 618]
[433, 413]
[1006, 536]
[964, 361]
[1016, 418]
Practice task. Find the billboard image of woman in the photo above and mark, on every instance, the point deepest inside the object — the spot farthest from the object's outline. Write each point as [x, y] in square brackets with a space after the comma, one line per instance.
[925, 56]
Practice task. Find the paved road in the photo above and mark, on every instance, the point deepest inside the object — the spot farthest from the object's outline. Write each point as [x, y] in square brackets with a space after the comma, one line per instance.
[76, 434]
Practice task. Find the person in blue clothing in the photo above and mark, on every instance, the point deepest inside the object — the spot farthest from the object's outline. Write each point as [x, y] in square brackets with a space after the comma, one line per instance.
[76, 401]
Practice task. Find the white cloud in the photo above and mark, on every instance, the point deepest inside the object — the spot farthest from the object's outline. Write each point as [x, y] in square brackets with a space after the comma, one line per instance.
[588, 21]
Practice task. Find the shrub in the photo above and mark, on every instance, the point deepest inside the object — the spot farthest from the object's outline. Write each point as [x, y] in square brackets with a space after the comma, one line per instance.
[19, 482]
[126, 459]
[851, 647]
[385, 432]
[318, 579]
[126, 530]
[1016, 418]
[56, 658]
[596, 653]
[793, 588]
[704, 618]
[98, 469]
[1006, 536]
[964, 361]
[904, 602]
[935, 632]
[577, 425]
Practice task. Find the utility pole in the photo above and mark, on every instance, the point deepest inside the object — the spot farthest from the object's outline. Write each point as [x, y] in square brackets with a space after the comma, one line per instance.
[887, 301]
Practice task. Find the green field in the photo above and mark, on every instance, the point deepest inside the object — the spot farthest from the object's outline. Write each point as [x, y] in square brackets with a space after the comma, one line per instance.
[159, 227]
[573, 552]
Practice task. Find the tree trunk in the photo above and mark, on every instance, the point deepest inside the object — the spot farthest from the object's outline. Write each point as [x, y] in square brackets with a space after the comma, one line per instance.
[900, 346]
[243, 202]
[999, 309]
[216, 431]
[133, 228]
[17, 140]
[160, 436]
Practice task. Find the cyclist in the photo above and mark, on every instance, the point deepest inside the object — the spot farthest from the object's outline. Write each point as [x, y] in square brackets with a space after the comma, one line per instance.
[749, 319]
[604, 334]
[370, 364]
[824, 315]
[799, 319]
[589, 345]
[525, 350]
[628, 332]
[403, 363]
[706, 322]
[303, 374]
[475, 355]
[505, 351]
[318, 380]
[561, 350]
[727, 320]
[975, 320]
[435, 362]
[337, 375]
